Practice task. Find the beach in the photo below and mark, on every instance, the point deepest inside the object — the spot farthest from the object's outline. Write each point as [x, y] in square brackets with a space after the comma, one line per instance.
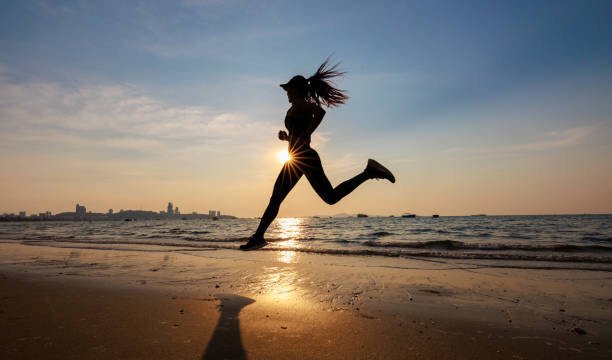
[157, 302]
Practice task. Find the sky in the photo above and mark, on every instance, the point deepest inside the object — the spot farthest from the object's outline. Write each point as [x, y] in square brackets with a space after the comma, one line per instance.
[489, 107]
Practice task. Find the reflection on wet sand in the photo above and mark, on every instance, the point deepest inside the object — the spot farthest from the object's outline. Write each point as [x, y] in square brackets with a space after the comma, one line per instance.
[280, 284]
[287, 256]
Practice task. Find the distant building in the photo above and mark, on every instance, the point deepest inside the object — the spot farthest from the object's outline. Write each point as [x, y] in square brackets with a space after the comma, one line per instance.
[110, 212]
[80, 210]
[176, 211]
[22, 214]
[170, 209]
[214, 213]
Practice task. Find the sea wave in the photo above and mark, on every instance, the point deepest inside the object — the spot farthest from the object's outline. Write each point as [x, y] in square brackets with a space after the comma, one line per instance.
[423, 252]
[380, 233]
[597, 238]
[459, 245]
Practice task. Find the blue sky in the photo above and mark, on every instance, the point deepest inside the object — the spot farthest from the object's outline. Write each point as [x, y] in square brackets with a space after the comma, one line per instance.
[478, 106]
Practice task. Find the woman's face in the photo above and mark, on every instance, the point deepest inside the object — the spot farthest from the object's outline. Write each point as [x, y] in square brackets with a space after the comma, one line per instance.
[292, 94]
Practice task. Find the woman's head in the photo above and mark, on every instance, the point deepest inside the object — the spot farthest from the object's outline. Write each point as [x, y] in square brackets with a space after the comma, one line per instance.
[297, 87]
[318, 88]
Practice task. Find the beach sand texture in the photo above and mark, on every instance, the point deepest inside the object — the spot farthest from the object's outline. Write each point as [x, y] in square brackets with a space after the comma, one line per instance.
[78, 303]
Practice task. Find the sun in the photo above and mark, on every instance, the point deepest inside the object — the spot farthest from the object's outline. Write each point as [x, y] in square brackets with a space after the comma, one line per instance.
[283, 156]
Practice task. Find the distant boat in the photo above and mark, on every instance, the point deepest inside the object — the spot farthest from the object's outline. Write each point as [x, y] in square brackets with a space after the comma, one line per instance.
[362, 215]
[479, 215]
[129, 219]
[408, 215]
[435, 216]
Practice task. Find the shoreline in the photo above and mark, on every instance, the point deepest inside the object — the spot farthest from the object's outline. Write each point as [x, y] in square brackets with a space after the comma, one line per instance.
[585, 261]
[284, 304]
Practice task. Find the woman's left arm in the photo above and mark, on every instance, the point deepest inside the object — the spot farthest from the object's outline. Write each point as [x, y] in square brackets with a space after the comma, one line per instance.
[317, 116]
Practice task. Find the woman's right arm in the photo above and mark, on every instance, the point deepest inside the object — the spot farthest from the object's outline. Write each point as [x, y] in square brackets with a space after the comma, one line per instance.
[282, 135]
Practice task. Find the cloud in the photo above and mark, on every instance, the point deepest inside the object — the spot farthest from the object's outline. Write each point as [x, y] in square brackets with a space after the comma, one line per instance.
[557, 139]
[116, 117]
[552, 140]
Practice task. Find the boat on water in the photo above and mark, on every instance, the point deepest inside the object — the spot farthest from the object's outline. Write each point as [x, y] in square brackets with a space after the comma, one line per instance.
[408, 215]
[435, 216]
[362, 215]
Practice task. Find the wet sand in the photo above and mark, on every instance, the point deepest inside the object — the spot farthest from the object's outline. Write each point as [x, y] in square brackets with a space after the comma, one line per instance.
[151, 303]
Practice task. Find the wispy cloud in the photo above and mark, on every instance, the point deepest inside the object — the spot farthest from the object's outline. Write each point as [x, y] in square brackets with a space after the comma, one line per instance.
[552, 140]
[557, 139]
[116, 117]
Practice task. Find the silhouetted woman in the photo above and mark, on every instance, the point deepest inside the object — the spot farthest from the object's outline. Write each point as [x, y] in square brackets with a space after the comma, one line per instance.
[303, 117]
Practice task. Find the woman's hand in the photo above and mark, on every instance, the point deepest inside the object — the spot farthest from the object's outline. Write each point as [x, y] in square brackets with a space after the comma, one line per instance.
[282, 135]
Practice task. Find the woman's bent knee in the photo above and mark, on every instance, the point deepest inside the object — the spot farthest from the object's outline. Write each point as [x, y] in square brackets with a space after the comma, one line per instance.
[330, 198]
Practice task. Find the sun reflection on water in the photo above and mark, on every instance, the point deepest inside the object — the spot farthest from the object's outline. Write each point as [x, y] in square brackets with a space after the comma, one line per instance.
[289, 230]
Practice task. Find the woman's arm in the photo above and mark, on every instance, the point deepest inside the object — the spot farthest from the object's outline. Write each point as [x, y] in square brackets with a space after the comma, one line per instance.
[282, 135]
[317, 116]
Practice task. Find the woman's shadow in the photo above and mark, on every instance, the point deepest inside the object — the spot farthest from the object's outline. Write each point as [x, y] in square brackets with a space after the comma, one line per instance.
[226, 342]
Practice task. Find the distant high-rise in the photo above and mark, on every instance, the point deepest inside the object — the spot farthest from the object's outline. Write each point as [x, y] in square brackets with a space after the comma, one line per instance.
[22, 214]
[218, 213]
[170, 209]
[176, 211]
[110, 211]
[80, 211]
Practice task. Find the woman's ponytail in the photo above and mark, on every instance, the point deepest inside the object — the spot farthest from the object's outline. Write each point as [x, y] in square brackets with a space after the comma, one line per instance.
[322, 89]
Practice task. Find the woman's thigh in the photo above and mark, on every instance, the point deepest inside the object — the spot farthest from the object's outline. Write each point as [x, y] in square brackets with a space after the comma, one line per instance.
[286, 180]
[313, 169]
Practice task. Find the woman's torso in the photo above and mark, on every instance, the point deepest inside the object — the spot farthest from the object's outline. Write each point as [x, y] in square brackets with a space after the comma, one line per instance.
[298, 124]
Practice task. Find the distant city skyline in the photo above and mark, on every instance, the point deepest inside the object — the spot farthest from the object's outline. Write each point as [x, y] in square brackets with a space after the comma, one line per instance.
[219, 213]
[81, 209]
[477, 107]
[81, 213]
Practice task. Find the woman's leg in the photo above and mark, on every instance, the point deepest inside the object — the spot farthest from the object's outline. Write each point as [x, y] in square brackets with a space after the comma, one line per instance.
[286, 180]
[313, 170]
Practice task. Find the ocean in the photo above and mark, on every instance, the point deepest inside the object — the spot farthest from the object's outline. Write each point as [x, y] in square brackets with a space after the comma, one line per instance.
[573, 240]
